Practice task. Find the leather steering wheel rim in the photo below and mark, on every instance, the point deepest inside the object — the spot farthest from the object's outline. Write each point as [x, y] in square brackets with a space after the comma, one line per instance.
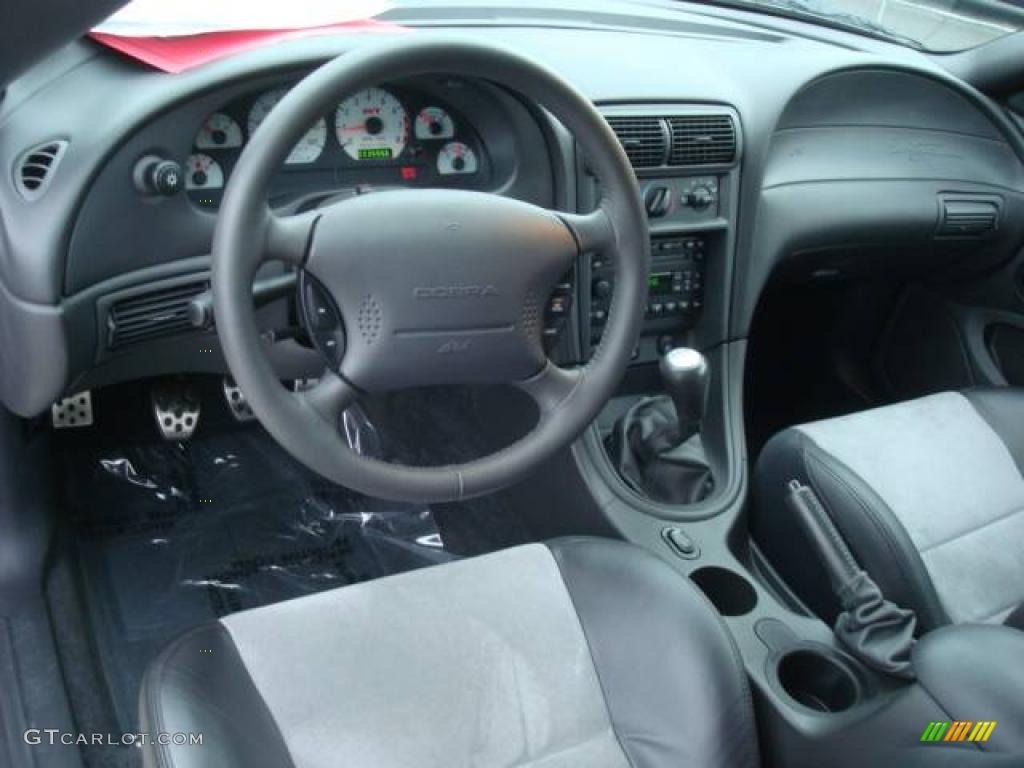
[248, 233]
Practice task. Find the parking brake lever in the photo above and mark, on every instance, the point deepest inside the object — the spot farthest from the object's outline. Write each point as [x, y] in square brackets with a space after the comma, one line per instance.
[200, 308]
[875, 630]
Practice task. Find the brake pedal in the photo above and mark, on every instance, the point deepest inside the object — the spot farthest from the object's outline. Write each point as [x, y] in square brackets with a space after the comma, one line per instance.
[74, 411]
[176, 411]
[236, 401]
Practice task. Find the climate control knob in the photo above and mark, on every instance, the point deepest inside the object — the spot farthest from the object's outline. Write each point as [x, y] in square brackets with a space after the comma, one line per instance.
[699, 198]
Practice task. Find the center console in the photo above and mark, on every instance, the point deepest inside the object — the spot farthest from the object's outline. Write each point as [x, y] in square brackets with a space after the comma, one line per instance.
[675, 288]
[818, 701]
[686, 159]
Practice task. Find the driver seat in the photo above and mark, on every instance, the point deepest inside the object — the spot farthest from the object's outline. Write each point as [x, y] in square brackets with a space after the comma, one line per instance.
[578, 652]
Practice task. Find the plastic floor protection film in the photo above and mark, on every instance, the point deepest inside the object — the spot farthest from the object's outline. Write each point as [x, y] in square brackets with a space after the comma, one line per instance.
[171, 536]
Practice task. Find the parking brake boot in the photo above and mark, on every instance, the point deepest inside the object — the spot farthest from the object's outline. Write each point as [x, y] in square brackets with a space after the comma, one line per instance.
[873, 629]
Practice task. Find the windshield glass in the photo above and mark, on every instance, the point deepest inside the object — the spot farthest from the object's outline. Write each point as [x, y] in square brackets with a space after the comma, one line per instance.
[934, 25]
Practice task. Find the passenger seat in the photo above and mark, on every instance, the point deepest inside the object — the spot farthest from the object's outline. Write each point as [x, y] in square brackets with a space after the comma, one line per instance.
[928, 493]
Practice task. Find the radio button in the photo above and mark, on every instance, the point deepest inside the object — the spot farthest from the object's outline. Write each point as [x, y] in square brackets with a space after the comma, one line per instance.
[601, 288]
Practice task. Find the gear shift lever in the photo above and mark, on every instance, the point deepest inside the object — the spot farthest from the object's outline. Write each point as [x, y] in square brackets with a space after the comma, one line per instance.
[656, 445]
[686, 376]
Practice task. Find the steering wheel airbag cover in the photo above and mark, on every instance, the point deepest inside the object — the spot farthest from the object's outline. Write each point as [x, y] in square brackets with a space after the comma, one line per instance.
[452, 293]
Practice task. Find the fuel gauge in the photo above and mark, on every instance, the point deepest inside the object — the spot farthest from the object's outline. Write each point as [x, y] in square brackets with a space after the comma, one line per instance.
[434, 123]
[203, 172]
[219, 132]
[455, 157]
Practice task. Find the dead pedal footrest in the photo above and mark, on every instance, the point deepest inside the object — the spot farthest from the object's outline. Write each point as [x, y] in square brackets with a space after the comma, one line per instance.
[74, 411]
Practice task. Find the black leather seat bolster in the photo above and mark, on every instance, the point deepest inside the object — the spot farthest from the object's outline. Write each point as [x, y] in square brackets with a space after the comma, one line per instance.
[199, 684]
[672, 679]
[974, 672]
[875, 536]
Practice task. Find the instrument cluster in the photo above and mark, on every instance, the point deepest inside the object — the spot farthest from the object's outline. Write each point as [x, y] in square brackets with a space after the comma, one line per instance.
[379, 136]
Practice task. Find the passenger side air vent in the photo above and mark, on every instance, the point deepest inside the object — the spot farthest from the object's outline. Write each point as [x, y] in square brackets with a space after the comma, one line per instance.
[152, 314]
[35, 168]
[644, 139]
[967, 218]
[702, 140]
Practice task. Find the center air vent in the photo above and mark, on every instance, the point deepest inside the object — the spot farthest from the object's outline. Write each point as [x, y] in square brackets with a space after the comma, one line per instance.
[702, 140]
[677, 141]
[152, 314]
[36, 167]
[645, 139]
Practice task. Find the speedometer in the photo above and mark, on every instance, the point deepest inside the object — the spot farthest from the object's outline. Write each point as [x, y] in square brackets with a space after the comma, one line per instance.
[372, 125]
[310, 146]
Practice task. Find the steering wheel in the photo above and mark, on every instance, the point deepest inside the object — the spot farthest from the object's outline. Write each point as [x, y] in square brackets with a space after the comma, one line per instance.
[419, 287]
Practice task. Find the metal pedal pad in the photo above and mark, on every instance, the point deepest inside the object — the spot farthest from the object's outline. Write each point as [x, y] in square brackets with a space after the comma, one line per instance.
[236, 401]
[176, 412]
[304, 385]
[74, 411]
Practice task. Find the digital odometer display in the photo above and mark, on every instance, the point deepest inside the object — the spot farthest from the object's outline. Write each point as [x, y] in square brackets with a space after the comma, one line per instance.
[376, 153]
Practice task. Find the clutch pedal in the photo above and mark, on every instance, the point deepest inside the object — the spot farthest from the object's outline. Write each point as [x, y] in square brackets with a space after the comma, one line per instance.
[176, 411]
[74, 411]
[236, 401]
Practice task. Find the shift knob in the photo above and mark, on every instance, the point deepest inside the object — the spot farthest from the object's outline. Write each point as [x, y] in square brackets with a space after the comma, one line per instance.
[686, 376]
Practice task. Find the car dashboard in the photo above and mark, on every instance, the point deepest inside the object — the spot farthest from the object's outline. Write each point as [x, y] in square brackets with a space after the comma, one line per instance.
[742, 176]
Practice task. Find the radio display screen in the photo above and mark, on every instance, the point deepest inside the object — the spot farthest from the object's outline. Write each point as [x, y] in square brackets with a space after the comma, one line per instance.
[659, 283]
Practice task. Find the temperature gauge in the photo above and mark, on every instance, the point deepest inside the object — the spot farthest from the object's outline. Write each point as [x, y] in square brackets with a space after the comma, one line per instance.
[434, 123]
[456, 157]
[203, 172]
[219, 132]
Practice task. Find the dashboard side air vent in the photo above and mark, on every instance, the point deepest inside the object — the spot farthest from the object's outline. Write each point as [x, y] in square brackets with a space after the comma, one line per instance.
[35, 168]
[964, 217]
[644, 139]
[702, 140]
[152, 313]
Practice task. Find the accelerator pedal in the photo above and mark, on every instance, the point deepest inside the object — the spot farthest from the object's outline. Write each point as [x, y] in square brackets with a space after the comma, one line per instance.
[236, 401]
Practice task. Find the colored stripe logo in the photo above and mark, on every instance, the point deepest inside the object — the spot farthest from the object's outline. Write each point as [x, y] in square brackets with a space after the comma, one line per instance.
[958, 730]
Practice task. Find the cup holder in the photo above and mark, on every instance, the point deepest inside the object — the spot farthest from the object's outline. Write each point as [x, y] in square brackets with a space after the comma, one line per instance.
[818, 680]
[729, 592]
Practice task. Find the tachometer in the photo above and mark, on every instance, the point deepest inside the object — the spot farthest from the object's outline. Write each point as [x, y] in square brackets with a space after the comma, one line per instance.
[219, 132]
[372, 125]
[310, 146]
[434, 123]
[203, 172]
[456, 157]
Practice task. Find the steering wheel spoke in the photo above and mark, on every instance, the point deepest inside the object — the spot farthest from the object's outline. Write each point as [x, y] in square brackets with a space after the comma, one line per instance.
[330, 397]
[551, 386]
[592, 231]
[288, 238]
